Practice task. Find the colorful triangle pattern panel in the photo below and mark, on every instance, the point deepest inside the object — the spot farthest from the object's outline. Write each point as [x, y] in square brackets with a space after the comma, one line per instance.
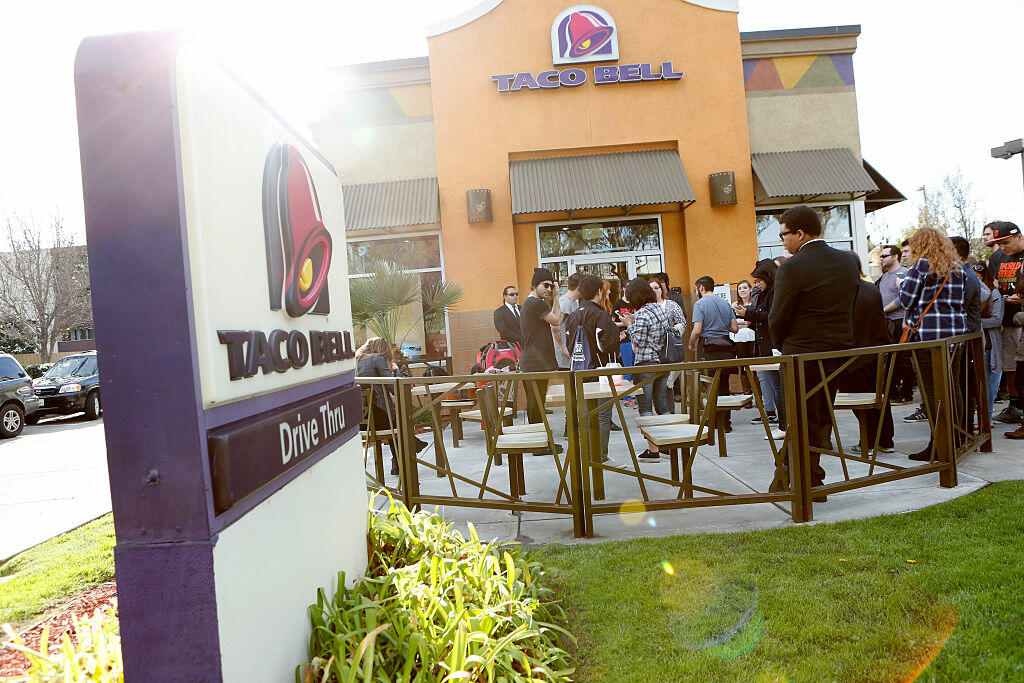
[792, 69]
[764, 76]
[748, 68]
[844, 66]
[821, 74]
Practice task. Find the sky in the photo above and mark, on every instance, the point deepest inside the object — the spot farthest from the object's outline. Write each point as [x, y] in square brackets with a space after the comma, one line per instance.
[937, 81]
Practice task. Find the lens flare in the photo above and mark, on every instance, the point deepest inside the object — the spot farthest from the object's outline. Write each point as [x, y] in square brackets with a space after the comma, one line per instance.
[652, 523]
[667, 567]
[632, 512]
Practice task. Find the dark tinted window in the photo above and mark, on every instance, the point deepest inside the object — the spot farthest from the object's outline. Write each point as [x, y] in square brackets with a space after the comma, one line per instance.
[73, 366]
[9, 369]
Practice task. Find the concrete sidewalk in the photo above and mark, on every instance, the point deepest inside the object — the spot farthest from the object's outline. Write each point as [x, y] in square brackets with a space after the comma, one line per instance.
[748, 468]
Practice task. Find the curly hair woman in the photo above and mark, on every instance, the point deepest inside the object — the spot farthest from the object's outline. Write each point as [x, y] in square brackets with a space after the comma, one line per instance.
[933, 295]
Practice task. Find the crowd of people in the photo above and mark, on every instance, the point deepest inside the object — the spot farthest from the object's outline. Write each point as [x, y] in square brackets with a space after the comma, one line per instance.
[816, 300]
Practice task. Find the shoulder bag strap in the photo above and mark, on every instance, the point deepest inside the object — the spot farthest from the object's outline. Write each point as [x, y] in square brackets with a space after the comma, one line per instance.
[907, 330]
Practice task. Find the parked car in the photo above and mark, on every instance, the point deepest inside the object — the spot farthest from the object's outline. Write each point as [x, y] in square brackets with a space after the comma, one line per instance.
[17, 402]
[71, 385]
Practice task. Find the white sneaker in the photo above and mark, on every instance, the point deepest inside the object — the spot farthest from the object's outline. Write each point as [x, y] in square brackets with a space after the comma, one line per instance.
[776, 435]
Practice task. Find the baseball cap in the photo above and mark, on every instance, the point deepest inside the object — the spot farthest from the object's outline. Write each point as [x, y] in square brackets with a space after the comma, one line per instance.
[1003, 229]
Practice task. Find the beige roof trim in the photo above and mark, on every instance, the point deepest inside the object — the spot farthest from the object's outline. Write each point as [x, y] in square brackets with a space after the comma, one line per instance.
[486, 6]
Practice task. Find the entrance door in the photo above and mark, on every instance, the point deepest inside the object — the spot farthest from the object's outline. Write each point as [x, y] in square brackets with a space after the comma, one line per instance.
[617, 272]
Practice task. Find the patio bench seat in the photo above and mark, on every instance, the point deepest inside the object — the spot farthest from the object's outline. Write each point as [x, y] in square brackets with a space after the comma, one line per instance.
[531, 428]
[734, 401]
[522, 442]
[476, 416]
[852, 400]
[661, 420]
[672, 434]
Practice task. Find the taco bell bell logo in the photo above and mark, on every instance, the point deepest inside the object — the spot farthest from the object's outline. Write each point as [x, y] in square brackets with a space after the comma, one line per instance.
[584, 33]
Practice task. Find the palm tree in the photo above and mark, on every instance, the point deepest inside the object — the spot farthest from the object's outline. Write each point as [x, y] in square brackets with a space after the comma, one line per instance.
[379, 302]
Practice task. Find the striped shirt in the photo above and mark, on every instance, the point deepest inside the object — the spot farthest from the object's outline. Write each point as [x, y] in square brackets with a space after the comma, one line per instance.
[947, 317]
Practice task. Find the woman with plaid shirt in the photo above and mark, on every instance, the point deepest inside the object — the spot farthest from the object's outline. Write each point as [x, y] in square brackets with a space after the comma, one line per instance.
[935, 274]
[647, 329]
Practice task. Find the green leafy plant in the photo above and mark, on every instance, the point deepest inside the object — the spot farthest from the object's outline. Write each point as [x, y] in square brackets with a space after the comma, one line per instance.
[96, 656]
[380, 302]
[34, 371]
[435, 606]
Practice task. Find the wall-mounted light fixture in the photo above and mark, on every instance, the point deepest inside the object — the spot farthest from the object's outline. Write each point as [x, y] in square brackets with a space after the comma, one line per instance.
[723, 188]
[478, 206]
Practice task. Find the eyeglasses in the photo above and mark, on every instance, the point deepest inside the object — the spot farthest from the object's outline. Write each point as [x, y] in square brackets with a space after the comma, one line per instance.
[783, 234]
[512, 294]
[979, 267]
[547, 285]
[886, 255]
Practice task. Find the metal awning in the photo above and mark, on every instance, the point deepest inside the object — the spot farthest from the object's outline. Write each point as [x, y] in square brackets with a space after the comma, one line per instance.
[887, 194]
[391, 204]
[812, 173]
[598, 181]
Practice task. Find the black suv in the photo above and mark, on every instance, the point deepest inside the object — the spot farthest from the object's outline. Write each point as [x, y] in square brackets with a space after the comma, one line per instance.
[16, 397]
[71, 385]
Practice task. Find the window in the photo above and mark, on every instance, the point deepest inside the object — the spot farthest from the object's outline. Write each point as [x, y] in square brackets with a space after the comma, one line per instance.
[9, 369]
[419, 254]
[837, 229]
[81, 334]
[599, 238]
[73, 366]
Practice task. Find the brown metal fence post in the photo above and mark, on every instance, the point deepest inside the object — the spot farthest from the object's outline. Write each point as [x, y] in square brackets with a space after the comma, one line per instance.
[573, 452]
[407, 452]
[583, 439]
[942, 438]
[799, 444]
[980, 379]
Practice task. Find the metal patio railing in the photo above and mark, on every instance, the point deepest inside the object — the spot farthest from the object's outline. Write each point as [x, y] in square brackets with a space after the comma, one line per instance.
[949, 374]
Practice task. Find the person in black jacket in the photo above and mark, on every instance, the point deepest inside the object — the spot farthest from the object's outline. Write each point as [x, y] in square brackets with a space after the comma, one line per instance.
[870, 328]
[812, 311]
[756, 314]
[602, 336]
[506, 317]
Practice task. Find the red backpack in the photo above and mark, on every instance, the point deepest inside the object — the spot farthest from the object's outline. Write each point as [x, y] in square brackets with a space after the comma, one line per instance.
[500, 354]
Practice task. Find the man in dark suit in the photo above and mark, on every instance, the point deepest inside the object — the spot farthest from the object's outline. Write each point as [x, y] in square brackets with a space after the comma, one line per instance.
[812, 312]
[506, 317]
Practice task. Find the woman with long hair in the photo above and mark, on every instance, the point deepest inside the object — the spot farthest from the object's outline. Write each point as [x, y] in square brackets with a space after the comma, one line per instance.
[677, 319]
[756, 317]
[933, 294]
[376, 359]
[743, 338]
[647, 329]
[991, 321]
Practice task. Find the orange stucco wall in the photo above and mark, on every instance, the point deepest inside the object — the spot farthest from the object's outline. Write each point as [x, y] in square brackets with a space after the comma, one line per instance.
[478, 130]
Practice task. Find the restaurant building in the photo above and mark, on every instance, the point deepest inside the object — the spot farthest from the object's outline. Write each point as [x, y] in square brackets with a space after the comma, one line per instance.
[623, 139]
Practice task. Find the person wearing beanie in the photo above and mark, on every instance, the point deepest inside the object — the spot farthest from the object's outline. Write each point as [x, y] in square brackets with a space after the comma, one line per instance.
[540, 315]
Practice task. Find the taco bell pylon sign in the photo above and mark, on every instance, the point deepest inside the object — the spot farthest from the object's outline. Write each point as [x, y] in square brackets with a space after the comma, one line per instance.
[584, 33]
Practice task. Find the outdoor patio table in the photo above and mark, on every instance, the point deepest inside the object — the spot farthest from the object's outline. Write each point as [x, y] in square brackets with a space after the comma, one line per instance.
[593, 392]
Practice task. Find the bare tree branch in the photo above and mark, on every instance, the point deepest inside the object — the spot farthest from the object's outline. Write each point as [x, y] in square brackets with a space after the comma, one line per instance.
[44, 283]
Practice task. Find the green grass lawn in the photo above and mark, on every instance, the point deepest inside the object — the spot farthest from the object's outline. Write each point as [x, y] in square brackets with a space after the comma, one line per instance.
[939, 590]
[43, 576]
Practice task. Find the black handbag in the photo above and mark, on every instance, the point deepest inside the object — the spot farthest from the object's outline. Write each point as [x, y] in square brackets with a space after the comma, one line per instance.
[672, 350]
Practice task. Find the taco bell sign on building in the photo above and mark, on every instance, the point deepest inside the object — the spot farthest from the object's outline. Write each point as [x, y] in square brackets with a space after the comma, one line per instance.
[579, 35]
[584, 33]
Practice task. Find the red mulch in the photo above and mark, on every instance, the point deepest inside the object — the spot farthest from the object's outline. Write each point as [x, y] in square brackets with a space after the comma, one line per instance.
[61, 621]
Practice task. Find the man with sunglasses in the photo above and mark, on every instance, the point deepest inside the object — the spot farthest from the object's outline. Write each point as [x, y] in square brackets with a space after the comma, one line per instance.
[540, 315]
[506, 317]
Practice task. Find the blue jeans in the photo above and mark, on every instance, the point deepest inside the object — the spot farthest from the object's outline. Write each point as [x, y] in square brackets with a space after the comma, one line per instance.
[993, 380]
[655, 393]
[769, 381]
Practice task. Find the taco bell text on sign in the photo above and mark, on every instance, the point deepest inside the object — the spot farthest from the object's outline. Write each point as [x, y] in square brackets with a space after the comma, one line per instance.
[220, 296]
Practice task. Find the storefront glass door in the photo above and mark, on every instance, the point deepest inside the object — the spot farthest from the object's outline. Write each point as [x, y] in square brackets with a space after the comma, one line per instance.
[616, 250]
